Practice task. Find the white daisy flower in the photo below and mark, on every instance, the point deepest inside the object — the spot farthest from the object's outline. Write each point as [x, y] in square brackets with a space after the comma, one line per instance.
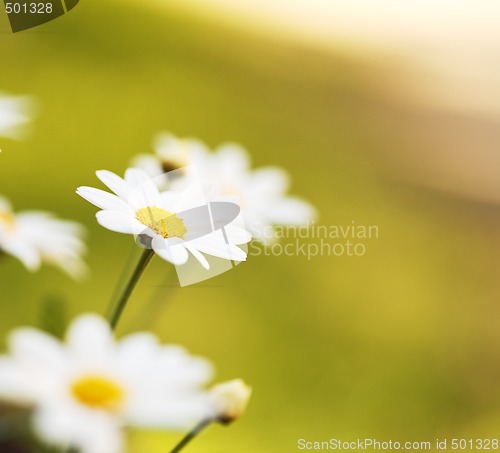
[170, 223]
[226, 174]
[36, 237]
[15, 114]
[85, 391]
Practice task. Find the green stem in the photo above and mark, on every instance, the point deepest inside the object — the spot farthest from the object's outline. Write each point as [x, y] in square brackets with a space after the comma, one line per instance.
[117, 311]
[192, 434]
[154, 307]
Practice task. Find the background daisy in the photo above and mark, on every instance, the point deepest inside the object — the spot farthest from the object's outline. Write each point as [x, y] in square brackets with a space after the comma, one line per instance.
[15, 114]
[226, 174]
[85, 391]
[36, 237]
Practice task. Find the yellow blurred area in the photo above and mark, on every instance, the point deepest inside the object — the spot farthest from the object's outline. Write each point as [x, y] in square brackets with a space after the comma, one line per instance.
[401, 343]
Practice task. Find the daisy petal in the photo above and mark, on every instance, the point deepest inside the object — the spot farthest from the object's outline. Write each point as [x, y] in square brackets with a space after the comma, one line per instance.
[135, 352]
[90, 337]
[179, 254]
[214, 244]
[145, 191]
[102, 199]
[14, 384]
[199, 256]
[24, 252]
[237, 235]
[90, 431]
[36, 349]
[118, 221]
[115, 183]
[181, 412]
[232, 158]
[149, 163]
[269, 181]
[292, 211]
[175, 254]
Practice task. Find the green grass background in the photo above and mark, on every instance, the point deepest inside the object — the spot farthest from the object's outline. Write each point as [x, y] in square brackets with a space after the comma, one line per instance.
[400, 344]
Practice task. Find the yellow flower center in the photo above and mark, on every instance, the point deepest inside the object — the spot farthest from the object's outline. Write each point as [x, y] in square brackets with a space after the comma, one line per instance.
[7, 218]
[162, 222]
[97, 392]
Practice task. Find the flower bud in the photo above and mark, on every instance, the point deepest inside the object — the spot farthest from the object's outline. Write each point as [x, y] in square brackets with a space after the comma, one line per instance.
[230, 400]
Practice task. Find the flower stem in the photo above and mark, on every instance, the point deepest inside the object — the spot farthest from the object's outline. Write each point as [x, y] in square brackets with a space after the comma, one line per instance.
[153, 308]
[192, 434]
[118, 308]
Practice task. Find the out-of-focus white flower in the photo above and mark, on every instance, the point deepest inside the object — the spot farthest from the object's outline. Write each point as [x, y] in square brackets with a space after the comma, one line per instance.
[171, 153]
[230, 400]
[226, 174]
[36, 237]
[15, 114]
[86, 390]
[166, 218]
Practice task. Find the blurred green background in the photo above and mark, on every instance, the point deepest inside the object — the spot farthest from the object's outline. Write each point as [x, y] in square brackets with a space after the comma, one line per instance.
[401, 343]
